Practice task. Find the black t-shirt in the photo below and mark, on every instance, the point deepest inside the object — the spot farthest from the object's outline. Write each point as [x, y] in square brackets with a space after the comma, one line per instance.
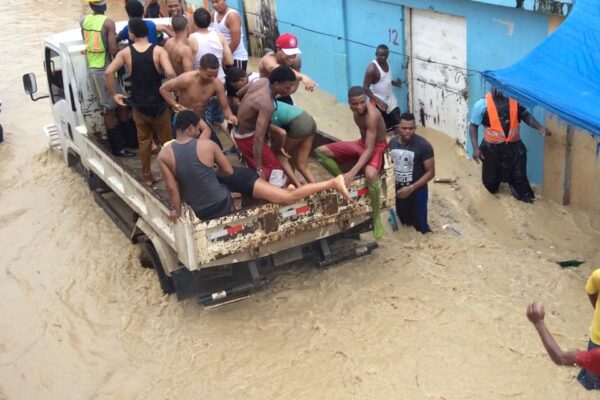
[409, 159]
[504, 114]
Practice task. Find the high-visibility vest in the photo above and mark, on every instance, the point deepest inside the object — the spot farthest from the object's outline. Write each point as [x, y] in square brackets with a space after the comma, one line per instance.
[494, 133]
[95, 46]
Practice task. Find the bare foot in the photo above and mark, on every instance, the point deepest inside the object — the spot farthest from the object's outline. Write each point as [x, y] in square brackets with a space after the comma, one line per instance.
[151, 180]
[339, 184]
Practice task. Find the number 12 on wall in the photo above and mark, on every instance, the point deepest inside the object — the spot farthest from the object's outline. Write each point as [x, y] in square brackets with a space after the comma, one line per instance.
[393, 36]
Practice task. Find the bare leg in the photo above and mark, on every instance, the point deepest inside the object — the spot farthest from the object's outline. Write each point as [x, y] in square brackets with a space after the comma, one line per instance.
[302, 153]
[288, 169]
[265, 191]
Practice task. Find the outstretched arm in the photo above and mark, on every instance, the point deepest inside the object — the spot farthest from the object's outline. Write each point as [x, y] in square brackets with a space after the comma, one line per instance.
[530, 120]
[535, 314]
[371, 78]
[109, 76]
[171, 86]
[222, 98]
[474, 134]
[165, 64]
[171, 185]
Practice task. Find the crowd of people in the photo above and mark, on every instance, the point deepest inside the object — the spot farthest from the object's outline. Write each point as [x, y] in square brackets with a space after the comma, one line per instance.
[183, 86]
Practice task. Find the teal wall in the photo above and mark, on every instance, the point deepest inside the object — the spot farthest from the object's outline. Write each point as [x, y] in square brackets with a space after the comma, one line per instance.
[497, 36]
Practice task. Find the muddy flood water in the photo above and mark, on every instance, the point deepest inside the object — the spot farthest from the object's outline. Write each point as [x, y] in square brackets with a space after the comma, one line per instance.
[435, 317]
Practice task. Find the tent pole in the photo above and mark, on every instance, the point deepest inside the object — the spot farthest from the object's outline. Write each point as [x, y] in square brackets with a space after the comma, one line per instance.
[568, 164]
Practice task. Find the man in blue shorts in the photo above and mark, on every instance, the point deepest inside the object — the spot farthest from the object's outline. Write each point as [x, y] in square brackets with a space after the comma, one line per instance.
[414, 166]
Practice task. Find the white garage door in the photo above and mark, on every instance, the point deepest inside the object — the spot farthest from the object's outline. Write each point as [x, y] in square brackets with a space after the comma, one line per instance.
[438, 45]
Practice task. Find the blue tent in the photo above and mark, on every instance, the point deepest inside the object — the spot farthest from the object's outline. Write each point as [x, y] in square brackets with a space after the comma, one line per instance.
[562, 74]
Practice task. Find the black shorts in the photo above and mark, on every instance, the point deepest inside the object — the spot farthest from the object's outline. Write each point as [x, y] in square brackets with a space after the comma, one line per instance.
[242, 181]
[391, 119]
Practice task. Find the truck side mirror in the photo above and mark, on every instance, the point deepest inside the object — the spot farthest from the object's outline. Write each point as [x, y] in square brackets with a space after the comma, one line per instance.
[30, 86]
[29, 83]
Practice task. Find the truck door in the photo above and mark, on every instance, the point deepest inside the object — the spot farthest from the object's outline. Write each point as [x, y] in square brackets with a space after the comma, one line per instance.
[61, 96]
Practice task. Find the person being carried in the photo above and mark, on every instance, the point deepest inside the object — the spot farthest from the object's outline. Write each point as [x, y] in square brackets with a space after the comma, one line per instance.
[366, 153]
[151, 113]
[588, 360]
[195, 89]
[178, 47]
[378, 86]
[287, 53]
[228, 22]
[254, 115]
[187, 167]
[414, 166]
[295, 130]
[502, 152]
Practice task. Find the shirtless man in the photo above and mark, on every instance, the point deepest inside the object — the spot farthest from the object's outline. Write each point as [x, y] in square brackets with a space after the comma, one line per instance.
[254, 114]
[287, 53]
[366, 153]
[187, 167]
[178, 47]
[195, 89]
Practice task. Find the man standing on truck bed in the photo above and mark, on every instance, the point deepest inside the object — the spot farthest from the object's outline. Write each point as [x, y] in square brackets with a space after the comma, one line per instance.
[99, 34]
[151, 112]
[255, 113]
[196, 88]
[187, 166]
[178, 47]
[229, 23]
[366, 153]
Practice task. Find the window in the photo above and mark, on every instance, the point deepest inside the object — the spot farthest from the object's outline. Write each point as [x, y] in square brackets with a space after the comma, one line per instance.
[55, 76]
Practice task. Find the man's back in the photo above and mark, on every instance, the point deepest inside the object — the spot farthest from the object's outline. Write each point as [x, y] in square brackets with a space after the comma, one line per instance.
[258, 97]
[179, 51]
[208, 43]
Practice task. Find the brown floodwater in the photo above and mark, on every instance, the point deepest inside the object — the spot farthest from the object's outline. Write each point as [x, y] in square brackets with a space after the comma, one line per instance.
[436, 317]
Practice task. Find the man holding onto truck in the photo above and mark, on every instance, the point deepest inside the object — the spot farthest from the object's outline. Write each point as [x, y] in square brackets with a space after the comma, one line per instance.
[255, 113]
[366, 153]
[145, 62]
[187, 166]
[99, 35]
[195, 89]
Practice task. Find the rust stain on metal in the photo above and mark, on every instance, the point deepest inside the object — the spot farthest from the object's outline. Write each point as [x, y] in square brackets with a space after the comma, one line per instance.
[268, 222]
[329, 204]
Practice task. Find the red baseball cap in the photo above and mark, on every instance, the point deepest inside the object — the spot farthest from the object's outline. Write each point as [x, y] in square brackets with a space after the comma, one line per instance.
[288, 43]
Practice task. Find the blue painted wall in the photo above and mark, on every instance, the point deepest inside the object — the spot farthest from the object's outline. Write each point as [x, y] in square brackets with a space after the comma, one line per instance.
[496, 37]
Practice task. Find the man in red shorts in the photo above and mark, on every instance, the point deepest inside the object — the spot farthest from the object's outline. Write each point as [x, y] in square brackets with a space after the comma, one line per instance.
[254, 118]
[366, 153]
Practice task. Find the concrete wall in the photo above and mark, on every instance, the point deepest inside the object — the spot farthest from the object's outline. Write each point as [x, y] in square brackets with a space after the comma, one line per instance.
[496, 37]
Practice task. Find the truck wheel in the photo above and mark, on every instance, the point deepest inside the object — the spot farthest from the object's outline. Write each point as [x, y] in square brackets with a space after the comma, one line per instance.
[166, 282]
[95, 183]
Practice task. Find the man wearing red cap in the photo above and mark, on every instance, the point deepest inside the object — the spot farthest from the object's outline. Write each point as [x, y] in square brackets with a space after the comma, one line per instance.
[286, 53]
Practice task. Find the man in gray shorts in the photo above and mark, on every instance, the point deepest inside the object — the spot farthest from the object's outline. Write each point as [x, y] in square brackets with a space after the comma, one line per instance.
[99, 35]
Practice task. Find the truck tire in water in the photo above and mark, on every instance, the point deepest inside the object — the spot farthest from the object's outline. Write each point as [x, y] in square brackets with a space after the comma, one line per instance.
[166, 283]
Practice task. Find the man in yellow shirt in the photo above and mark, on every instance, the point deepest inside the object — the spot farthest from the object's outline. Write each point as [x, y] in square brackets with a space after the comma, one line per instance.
[589, 380]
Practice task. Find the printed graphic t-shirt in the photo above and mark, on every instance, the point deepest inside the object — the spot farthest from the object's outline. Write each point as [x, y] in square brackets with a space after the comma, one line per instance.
[409, 159]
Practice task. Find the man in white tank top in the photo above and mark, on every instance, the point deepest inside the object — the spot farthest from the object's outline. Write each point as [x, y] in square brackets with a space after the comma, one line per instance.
[205, 41]
[228, 22]
[378, 85]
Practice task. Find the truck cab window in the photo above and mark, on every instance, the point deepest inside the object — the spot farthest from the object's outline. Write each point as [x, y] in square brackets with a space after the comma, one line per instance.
[55, 76]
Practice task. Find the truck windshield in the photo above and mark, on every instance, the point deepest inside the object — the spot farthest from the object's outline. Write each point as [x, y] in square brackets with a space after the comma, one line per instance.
[55, 76]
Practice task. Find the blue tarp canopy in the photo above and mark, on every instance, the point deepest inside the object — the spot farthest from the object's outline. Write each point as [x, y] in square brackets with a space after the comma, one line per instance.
[562, 74]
